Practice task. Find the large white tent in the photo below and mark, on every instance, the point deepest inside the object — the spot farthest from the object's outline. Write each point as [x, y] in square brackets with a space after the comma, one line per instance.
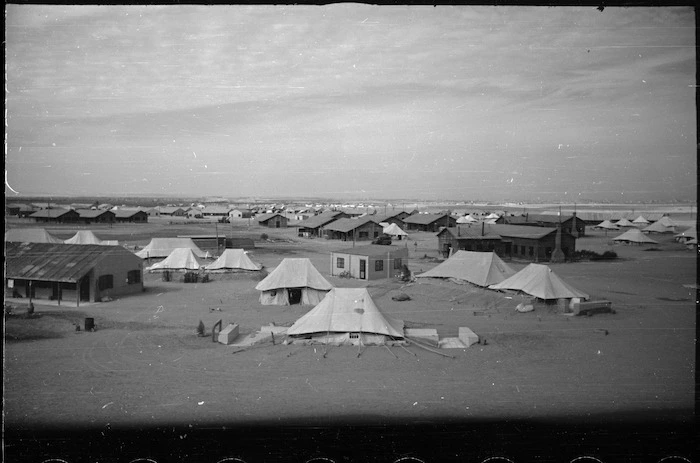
[394, 231]
[540, 281]
[640, 221]
[162, 247]
[479, 268]
[634, 236]
[30, 235]
[88, 237]
[180, 259]
[347, 316]
[232, 260]
[467, 219]
[658, 227]
[294, 280]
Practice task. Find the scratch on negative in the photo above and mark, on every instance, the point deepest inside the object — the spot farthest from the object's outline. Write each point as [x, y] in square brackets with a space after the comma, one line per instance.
[107, 405]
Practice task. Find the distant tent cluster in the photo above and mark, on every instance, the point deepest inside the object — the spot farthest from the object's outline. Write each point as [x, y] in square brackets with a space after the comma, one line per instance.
[162, 247]
[40, 235]
[182, 254]
[636, 235]
[487, 270]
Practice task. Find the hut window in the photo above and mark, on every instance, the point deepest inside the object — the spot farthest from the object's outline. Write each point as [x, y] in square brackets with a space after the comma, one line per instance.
[378, 265]
[354, 335]
[340, 263]
[133, 277]
[105, 282]
[531, 251]
[364, 234]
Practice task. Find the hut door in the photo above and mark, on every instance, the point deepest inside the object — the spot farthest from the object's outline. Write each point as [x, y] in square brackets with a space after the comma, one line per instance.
[363, 269]
[85, 288]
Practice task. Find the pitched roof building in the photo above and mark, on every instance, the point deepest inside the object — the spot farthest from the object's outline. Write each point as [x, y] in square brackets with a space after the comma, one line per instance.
[73, 272]
[507, 241]
[429, 222]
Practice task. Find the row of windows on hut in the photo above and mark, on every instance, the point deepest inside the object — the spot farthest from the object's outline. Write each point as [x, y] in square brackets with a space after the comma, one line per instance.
[378, 264]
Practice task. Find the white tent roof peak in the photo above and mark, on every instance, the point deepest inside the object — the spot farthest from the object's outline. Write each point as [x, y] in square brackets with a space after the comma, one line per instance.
[162, 247]
[346, 310]
[394, 230]
[540, 281]
[479, 268]
[294, 273]
[233, 259]
[179, 259]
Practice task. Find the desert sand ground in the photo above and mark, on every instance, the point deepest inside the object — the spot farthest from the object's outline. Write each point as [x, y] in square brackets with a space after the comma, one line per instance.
[144, 363]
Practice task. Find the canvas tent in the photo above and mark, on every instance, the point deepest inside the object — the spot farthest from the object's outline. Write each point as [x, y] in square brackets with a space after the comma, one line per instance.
[540, 281]
[162, 247]
[88, 237]
[640, 221]
[30, 235]
[658, 227]
[394, 231]
[492, 216]
[687, 235]
[607, 225]
[233, 260]
[666, 222]
[634, 236]
[479, 268]
[180, 259]
[347, 316]
[293, 281]
[624, 223]
[467, 219]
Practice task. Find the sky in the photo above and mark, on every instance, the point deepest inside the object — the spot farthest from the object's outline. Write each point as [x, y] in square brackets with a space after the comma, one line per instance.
[352, 101]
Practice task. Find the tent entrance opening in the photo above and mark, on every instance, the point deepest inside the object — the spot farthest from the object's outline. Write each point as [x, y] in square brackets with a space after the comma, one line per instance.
[294, 295]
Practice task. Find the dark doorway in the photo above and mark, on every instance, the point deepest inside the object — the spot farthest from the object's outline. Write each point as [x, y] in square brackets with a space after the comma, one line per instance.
[363, 269]
[84, 285]
[294, 295]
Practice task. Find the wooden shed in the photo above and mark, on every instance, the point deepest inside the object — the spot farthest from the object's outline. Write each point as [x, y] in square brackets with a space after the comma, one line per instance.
[272, 220]
[364, 228]
[428, 222]
[371, 262]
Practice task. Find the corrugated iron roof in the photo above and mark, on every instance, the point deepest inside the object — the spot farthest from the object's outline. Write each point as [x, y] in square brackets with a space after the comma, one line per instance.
[424, 219]
[55, 262]
[268, 216]
[371, 250]
[91, 213]
[121, 213]
[495, 231]
[345, 225]
[319, 220]
[51, 212]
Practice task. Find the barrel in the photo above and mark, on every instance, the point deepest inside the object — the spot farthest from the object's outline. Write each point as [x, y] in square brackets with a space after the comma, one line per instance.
[89, 324]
